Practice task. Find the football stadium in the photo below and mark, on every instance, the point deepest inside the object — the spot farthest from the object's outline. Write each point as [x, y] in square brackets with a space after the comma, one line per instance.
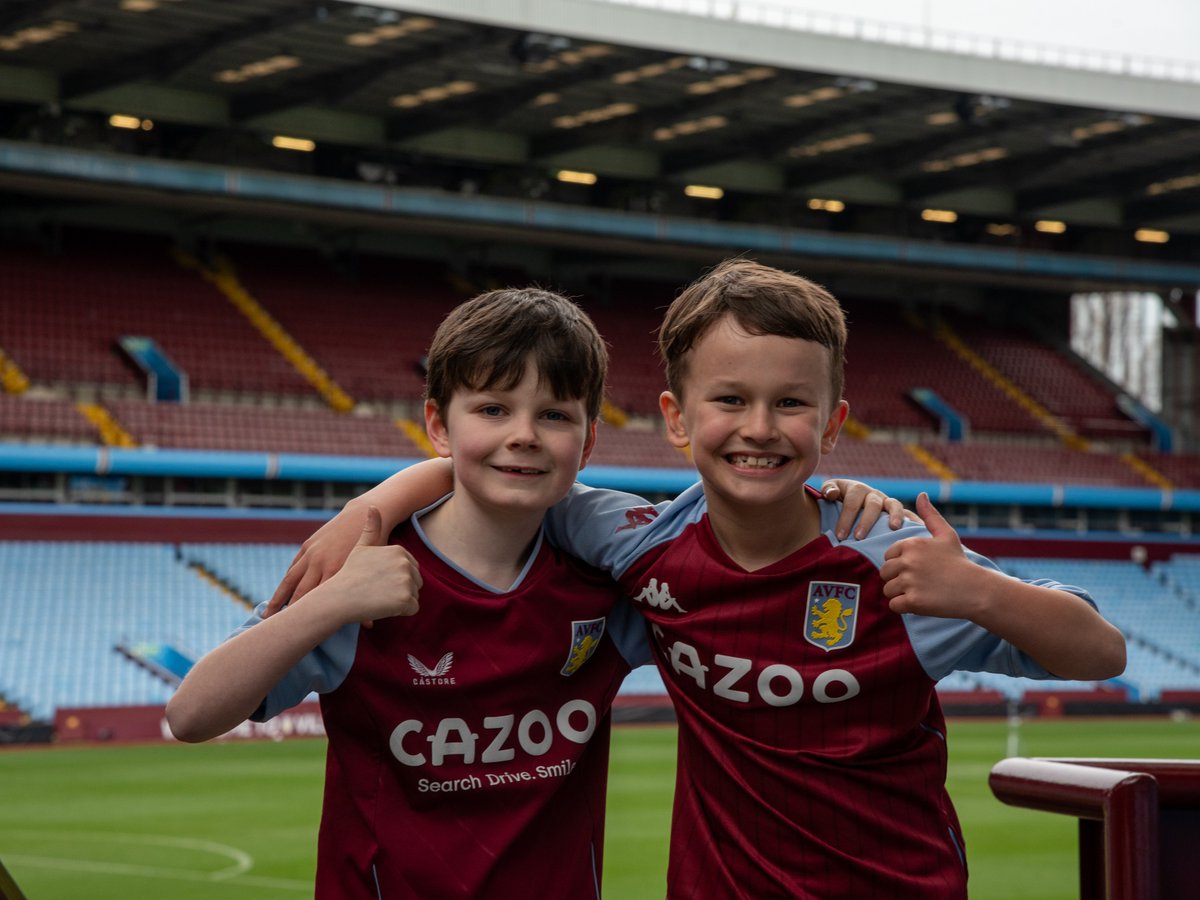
[228, 232]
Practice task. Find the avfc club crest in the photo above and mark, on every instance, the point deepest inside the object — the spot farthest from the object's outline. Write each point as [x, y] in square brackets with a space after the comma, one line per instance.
[832, 614]
[585, 638]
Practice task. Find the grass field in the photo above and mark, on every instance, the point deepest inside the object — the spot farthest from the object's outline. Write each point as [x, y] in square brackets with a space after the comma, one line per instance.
[239, 820]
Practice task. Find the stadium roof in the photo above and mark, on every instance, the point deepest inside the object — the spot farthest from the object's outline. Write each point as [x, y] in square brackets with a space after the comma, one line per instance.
[396, 96]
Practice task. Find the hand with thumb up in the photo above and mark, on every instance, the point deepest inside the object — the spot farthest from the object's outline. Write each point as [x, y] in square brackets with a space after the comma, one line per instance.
[932, 576]
[378, 580]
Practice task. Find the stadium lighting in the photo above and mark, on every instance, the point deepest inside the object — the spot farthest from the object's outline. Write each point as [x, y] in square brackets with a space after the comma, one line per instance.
[704, 191]
[1004, 229]
[690, 127]
[731, 80]
[834, 145]
[1050, 226]
[833, 206]
[939, 215]
[132, 123]
[572, 176]
[37, 34]
[1182, 183]
[434, 94]
[283, 142]
[963, 160]
[816, 95]
[946, 117]
[594, 116]
[651, 70]
[390, 32]
[1151, 236]
[258, 69]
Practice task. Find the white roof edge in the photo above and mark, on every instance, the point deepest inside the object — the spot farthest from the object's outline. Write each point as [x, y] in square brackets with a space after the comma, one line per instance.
[808, 51]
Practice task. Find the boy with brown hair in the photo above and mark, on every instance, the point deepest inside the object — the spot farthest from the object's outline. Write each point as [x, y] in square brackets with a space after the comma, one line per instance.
[468, 744]
[802, 665]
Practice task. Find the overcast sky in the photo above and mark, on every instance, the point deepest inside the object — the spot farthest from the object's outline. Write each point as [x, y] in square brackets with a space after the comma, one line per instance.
[1163, 29]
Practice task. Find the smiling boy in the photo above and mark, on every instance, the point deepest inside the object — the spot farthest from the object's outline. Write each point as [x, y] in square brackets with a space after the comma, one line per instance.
[812, 749]
[468, 744]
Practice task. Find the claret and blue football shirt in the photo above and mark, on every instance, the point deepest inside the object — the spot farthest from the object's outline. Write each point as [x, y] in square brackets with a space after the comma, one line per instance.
[812, 748]
[468, 744]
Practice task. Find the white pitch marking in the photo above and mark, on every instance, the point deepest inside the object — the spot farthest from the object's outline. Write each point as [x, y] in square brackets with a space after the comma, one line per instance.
[242, 861]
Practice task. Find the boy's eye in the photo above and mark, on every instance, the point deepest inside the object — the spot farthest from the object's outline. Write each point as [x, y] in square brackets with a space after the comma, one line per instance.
[730, 400]
[791, 403]
[492, 410]
[555, 415]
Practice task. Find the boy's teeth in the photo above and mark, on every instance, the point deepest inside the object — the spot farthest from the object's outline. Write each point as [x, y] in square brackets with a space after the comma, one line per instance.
[757, 462]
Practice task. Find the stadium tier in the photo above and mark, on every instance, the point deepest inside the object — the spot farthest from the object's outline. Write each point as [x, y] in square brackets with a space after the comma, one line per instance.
[365, 321]
[1056, 380]
[368, 331]
[72, 603]
[1158, 609]
[63, 314]
[1058, 465]
[215, 426]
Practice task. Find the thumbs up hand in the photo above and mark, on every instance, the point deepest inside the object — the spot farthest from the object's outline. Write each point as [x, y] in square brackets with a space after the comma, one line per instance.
[379, 579]
[932, 576]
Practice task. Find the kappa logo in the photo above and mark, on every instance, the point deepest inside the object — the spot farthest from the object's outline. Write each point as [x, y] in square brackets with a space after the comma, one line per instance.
[659, 596]
[585, 638]
[833, 613]
[639, 516]
[439, 674]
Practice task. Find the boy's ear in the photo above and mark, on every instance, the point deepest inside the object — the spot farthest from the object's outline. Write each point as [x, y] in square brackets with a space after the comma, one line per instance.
[588, 445]
[672, 413]
[435, 427]
[837, 419]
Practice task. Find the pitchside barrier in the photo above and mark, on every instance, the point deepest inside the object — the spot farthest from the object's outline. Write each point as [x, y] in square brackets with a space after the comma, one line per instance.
[1139, 820]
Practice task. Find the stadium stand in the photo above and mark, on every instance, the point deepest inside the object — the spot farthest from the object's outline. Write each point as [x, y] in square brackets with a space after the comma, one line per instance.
[369, 331]
[216, 426]
[1160, 624]
[889, 353]
[1055, 378]
[46, 419]
[1016, 463]
[71, 603]
[74, 602]
[63, 313]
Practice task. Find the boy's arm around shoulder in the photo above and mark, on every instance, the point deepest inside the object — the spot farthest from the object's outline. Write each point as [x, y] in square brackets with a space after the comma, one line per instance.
[609, 529]
[397, 498]
[228, 684]
[1058, 629]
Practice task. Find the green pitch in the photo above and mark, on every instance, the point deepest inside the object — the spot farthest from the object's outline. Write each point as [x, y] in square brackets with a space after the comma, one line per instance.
[239, 820]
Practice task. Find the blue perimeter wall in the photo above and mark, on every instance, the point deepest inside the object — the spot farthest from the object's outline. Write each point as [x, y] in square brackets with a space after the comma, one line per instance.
[104, 462]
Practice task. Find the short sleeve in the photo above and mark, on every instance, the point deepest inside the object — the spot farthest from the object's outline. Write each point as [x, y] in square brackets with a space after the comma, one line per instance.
[611, 529]
[322, 669]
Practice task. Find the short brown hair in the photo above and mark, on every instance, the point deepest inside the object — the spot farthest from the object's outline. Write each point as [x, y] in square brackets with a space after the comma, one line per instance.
[487, 341]
[763, 301]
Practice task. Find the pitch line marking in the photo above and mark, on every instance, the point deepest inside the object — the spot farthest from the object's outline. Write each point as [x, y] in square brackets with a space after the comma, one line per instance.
[242, 862]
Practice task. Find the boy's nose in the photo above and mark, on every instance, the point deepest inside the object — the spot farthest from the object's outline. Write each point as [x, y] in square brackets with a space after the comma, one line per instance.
[524, 433]
[759, 424]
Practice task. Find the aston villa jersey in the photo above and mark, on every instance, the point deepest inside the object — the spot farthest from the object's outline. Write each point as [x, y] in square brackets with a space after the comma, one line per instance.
[812, 748]
[468, 744]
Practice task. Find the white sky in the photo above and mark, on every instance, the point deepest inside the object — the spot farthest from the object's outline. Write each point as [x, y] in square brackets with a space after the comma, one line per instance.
[1167, 29]
[1159, 29]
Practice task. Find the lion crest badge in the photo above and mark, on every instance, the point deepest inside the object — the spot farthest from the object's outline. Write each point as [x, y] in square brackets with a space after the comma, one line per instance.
[832, 614]
[585, 638]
